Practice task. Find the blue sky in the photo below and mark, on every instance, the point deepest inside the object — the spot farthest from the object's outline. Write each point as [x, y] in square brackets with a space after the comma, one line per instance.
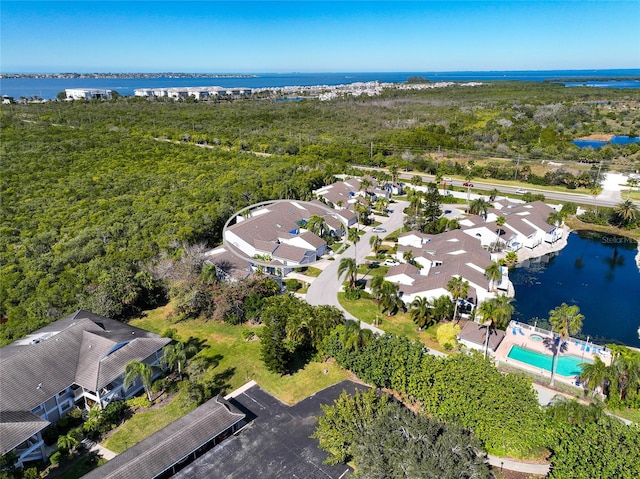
[310, 36]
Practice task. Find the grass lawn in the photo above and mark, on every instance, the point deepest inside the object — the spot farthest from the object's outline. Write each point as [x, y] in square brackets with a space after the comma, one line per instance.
[400, 324]
[630, 414]
[225, 343]
[238, 361]
[312, 272]
[372, 270]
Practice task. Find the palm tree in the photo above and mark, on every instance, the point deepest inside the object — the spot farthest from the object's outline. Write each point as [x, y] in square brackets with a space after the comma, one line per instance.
[68, 441]
[556, 218]
[496, 312]
[595, 190]
[415, 201]
[135, 370]
[500, 222]
[422, 312]
[633, 183]
[443, 307]
[393, 170]
[317, 225]
[493, 274]
[416, 180]
[390, 299]
[349, 268]
[176, 355]
[565, 320]
[594, 374]
[354, 236]
[468, 177]
[493, 194]
[459, 288]
[408, 256]
[353, 337]
[376, 290]
[479, 206]
[375, 243]
[627, 213]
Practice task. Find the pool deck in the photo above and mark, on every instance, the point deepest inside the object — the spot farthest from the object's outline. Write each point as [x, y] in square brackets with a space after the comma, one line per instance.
[522, 338]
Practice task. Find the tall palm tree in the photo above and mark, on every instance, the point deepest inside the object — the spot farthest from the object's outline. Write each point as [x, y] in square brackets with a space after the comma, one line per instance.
[408, 256]
[595, 191]
[565, 320]
[459, 288]
[415, 201]
[500, 222]
[143, 371]
[176, 355]
[493, 194]
[496, 313]
[627, 213]
[594, 374]
[349, 268]
[375, 242]
[479, 206]
[556, 218]
[393, 170]
[493, 274]
[422, 312]
[317, 225]
[443, 307]
[390, 299]
[468, 177]
[633, 183]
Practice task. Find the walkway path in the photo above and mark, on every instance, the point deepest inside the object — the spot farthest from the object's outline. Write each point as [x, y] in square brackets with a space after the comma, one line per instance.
[98, 448]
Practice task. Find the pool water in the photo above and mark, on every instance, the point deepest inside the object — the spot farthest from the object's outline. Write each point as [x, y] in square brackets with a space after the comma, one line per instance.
[567, 365]
[535, 337]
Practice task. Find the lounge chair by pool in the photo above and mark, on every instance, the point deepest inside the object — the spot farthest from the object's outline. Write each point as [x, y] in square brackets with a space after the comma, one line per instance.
[520, 331]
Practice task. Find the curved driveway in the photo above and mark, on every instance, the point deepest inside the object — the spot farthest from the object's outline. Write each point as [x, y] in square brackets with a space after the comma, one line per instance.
[324, 289]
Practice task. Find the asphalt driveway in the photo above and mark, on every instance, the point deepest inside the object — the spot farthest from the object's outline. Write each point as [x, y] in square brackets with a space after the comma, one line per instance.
[275, 444]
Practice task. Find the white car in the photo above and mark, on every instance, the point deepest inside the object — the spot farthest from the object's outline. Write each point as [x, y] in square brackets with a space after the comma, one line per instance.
[391, 262]
[378, 229]
[521, 191]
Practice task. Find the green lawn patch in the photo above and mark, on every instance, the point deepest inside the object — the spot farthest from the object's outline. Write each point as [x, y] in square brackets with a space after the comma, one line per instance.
[629, 414]
[243, 358]
[401, 324]
[312, 272]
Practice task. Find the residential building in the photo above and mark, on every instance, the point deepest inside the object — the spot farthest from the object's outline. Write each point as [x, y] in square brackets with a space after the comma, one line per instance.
[87, 94]
[78, 360]
[276, 234]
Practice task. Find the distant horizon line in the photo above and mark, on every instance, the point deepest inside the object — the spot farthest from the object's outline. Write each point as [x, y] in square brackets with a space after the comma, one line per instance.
[295, 72]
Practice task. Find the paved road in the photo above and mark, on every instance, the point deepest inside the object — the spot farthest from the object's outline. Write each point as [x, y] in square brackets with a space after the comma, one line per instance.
[324, 289]
[607, 198]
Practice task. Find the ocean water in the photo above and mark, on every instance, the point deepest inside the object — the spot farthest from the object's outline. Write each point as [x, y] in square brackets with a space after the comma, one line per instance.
[595, 271]
[47, 88]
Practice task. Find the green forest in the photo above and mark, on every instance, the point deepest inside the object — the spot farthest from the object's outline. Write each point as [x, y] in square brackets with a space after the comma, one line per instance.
[96, 194]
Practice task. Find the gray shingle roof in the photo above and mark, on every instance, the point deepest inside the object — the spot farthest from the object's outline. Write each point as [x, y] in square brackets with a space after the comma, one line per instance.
[170, 445]
[82, 348]
[476, 333]
[16, 426]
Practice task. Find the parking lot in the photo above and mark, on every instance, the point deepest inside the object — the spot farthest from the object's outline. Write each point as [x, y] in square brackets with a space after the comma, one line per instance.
[276, 443]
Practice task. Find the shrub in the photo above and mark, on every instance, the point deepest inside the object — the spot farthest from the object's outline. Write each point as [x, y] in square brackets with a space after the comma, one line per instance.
[139, 402]
[55, 458]
[292, 284]
[446, 335]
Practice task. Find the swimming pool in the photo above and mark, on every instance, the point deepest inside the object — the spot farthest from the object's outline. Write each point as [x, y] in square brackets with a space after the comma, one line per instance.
[536, 337]
[567, 365]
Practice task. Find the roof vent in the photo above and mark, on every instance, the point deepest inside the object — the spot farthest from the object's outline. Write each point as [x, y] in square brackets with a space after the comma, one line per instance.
[39, 386]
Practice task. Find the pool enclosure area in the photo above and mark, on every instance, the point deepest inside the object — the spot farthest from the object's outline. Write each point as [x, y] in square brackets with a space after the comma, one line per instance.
[531, 349]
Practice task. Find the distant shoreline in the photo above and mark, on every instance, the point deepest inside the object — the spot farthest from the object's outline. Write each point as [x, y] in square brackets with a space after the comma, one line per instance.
[597, 137]
[67, 76]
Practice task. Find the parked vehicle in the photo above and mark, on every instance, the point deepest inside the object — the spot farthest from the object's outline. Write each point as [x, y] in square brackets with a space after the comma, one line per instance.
[466, 183]
[378, 229]
[391, 262]
[521, 191]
